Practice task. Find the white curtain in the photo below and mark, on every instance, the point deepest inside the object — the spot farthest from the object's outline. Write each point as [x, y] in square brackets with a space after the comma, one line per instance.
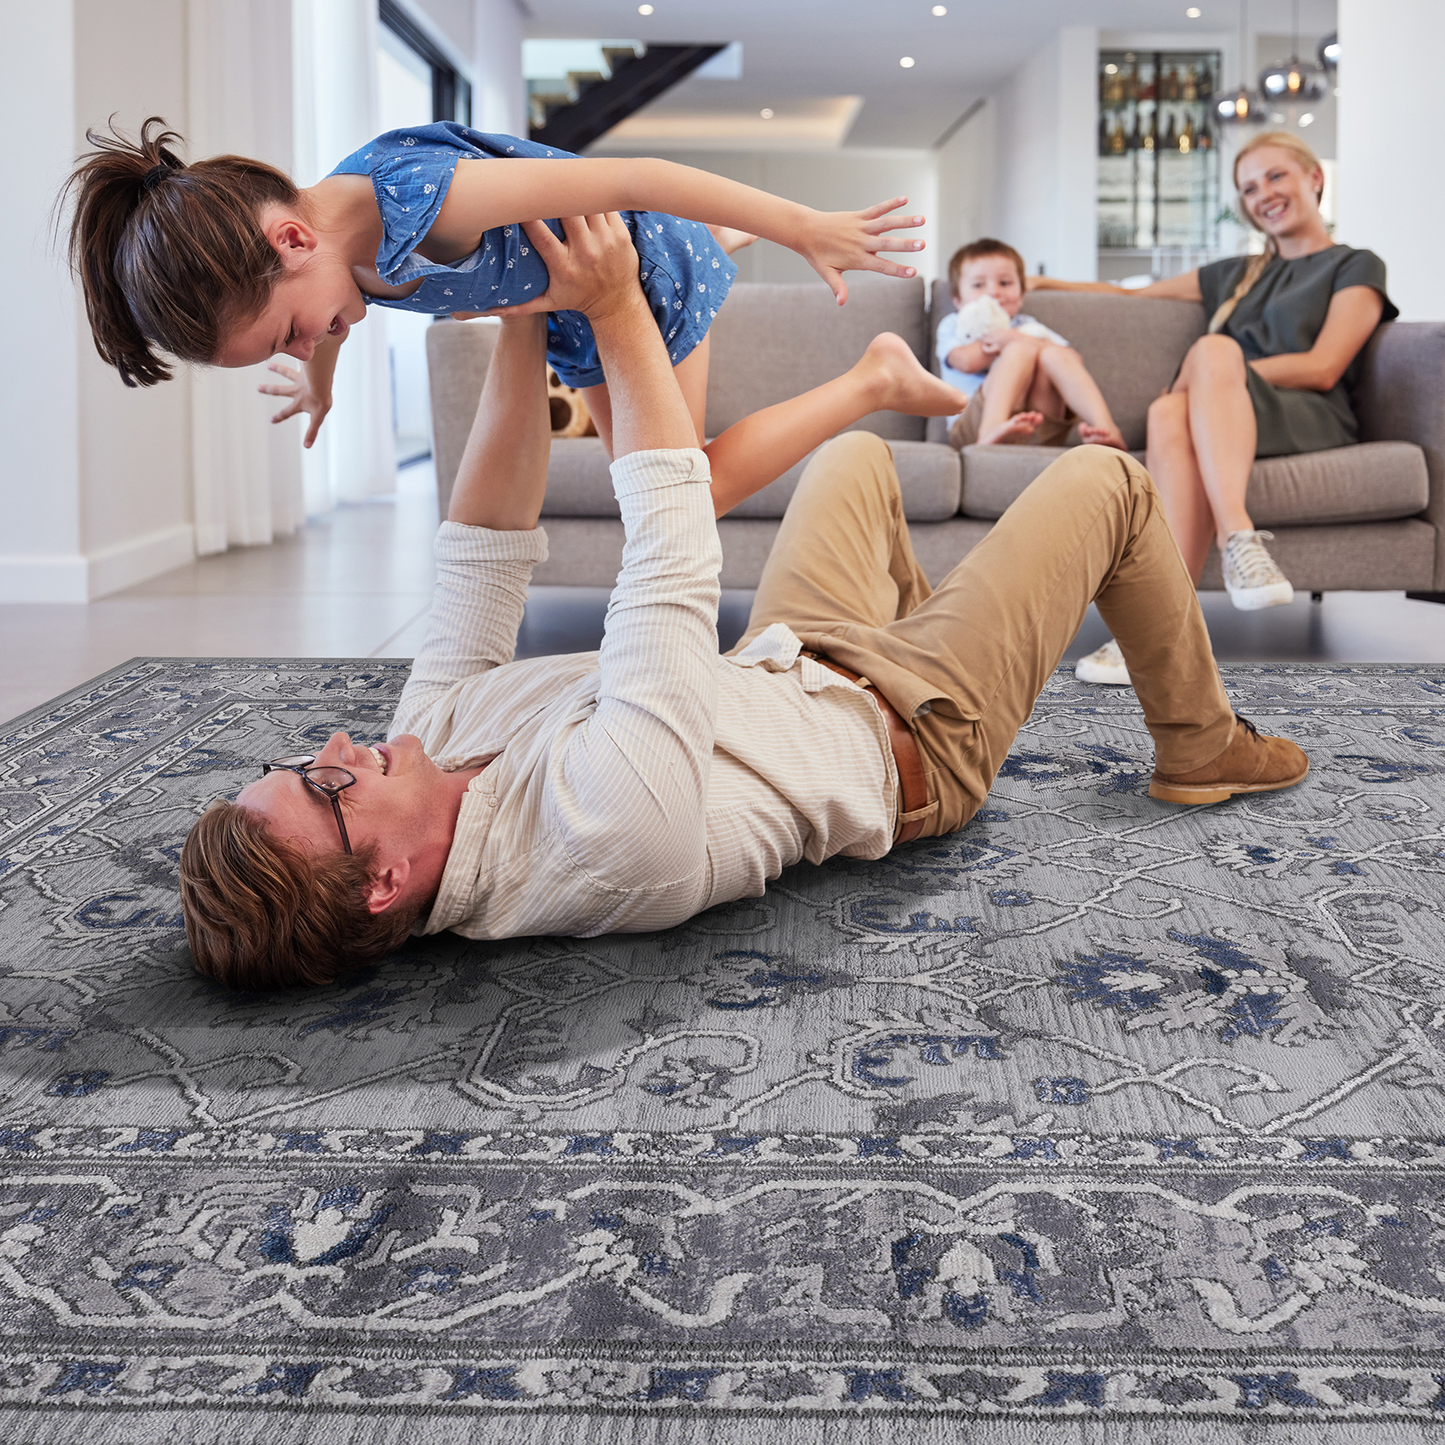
[245, 473]
[334, 79]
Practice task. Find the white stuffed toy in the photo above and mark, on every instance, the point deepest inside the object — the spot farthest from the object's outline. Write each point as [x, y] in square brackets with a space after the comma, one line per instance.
[979, 317]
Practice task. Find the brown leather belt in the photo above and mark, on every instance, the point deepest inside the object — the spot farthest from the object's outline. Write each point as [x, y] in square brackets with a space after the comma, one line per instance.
[912, 780]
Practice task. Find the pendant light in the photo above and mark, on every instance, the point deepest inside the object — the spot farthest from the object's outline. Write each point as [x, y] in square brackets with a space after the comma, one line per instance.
[1293, 81]
[1329, 51]
[1240, 106]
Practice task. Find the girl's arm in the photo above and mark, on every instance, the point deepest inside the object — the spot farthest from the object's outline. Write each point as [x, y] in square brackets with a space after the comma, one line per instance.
[1184, 287]
[309, 388]
[484, 194]
[1349, 323]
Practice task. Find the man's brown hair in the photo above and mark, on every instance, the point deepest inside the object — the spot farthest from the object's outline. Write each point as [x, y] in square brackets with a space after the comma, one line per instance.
[976, 251]
[169, 255]
[263, 913]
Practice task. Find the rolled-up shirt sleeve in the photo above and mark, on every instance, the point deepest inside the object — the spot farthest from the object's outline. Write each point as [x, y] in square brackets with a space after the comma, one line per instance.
[477, 604]
[631, 783]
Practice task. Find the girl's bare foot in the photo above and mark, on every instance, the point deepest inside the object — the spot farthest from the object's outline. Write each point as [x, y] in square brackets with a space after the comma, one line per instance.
[901, 382]
[1102, 436]
[1018, 428]
[731, 239]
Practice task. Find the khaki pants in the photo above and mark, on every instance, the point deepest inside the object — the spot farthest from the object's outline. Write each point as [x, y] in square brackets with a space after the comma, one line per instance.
[979, 650]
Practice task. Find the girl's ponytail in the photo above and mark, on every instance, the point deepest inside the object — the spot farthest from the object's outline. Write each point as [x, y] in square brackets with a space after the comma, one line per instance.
[169, 255]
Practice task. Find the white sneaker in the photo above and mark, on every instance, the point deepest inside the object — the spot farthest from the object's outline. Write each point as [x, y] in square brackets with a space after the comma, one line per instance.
[1104, 664]
[1251, 577]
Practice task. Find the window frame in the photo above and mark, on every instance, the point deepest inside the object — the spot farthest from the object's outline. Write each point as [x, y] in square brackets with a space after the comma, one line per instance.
[451, 92]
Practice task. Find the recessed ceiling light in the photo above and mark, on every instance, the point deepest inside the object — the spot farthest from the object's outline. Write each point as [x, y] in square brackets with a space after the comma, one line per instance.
[907, 62]
[766, 112]
[1193, 13]
[644, 9]
[940, 10]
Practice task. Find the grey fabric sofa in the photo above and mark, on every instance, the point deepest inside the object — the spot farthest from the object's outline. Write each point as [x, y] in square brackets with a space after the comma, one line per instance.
[1369, 517]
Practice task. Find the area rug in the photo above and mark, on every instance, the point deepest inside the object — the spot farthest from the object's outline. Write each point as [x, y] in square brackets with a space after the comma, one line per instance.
[1101, 1119]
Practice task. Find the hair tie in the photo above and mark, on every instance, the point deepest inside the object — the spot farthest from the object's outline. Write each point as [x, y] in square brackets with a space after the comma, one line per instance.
[155, 176]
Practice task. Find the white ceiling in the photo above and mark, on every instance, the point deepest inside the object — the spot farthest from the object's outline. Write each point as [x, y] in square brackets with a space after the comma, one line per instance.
[797, 50]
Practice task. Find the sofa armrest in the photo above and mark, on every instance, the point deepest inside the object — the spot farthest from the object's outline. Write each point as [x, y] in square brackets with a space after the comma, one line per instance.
[1401, 397]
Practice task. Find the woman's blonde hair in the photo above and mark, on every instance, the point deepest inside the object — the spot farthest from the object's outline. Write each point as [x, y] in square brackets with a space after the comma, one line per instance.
[1308, 161]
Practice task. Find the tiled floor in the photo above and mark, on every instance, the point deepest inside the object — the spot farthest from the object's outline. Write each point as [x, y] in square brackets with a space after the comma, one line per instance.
[357, 584]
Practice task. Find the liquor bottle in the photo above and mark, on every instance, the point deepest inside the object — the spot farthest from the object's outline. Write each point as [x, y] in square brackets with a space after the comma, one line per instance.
[1131, 141]
[1170, 89]
[1186, 135]
[1116, 140]
[1191, 85]
[1103, 134]
[1170, 139]
[1205, 139]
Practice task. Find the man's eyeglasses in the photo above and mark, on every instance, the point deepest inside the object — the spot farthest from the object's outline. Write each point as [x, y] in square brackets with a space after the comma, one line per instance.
[329, 782]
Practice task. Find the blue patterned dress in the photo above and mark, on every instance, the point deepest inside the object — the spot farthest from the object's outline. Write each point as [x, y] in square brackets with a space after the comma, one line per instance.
[684, 272]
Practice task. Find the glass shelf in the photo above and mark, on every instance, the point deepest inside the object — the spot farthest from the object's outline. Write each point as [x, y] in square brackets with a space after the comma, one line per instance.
[1158, 179]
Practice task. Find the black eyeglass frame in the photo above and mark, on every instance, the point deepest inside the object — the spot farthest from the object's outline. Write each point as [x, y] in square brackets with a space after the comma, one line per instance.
[303, 765]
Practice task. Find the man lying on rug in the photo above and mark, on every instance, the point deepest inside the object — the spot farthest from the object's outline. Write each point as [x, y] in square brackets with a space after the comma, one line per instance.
[630, 788]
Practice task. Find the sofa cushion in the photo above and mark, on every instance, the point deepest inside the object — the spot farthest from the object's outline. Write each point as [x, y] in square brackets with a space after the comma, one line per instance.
[1372, 482]
[579, 484]
[772, 342]
[1131, 345]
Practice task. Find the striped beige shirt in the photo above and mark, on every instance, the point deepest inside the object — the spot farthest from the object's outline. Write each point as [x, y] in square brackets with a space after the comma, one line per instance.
[634, 786]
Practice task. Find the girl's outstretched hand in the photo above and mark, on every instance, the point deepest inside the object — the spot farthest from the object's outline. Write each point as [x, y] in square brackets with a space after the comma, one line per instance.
[836, 241]
[303, 398]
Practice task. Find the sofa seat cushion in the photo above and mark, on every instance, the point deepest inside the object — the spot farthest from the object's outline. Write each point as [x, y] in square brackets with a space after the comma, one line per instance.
[580, 485]
[1372, 482]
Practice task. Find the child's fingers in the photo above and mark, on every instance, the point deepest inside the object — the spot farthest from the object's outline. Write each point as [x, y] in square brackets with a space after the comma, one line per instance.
[287, 412]
[271, 388]
[883, 227]
[887, 268]
[883, 208]
[312, 430]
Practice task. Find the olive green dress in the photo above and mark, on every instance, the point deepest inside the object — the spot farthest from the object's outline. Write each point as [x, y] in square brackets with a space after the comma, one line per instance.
[1283, 313]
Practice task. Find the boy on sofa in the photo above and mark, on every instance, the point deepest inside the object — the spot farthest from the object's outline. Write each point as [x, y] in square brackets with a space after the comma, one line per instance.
[1024, 382]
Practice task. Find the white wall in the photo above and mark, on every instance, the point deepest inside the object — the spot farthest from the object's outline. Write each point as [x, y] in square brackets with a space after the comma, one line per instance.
[96, 476]
[499, 94]
[39, 380]
[100, 481]
[1045, 127]
[1390, 199]
[966, 184]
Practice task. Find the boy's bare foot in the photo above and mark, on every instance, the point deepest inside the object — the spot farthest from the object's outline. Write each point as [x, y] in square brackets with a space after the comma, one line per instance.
[902, 383]
[1102, 436]
[1018, 428]
[731, 239]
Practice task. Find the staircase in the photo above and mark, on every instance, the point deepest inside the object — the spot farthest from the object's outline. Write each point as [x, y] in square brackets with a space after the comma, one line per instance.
[593, 103]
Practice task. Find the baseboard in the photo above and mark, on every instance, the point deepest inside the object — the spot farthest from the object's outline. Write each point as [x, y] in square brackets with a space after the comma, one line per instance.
[78, 577]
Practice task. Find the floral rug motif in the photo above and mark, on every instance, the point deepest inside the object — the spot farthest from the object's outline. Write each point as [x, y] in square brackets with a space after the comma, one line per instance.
[1100, 1108]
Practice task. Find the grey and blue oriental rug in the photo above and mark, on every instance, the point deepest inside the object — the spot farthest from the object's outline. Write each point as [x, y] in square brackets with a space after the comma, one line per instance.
[1100, 1120]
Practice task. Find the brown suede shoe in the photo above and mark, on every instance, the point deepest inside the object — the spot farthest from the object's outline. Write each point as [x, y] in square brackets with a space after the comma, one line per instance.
[1252, 763]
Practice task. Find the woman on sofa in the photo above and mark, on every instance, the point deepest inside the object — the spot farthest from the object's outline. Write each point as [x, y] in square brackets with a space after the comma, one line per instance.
[1272, 377]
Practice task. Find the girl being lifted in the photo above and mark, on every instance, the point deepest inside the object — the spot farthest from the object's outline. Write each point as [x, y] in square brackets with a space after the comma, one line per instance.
[226, 262]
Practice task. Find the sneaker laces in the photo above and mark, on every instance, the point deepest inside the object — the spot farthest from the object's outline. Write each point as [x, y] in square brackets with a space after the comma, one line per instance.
[1251, 564]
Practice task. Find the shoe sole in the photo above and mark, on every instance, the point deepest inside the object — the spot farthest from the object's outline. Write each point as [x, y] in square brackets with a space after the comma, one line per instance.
[1256, 599]
[1197, 793]
[1105, 677]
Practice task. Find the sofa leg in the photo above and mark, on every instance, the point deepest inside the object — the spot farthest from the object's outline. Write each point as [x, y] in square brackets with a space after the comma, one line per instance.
[1317, 596]
[1426, 597]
